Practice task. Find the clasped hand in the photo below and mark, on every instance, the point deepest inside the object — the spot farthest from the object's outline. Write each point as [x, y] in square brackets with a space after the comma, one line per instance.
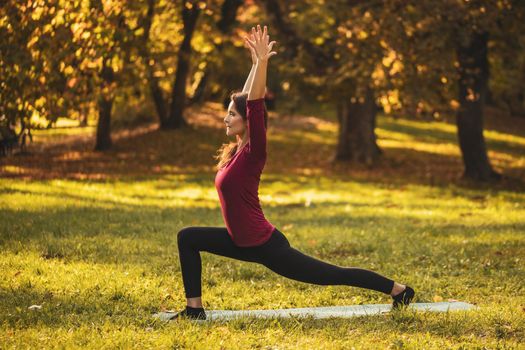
[258, 44]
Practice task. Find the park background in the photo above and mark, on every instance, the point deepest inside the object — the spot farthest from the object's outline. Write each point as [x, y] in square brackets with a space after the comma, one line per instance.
[396, 142]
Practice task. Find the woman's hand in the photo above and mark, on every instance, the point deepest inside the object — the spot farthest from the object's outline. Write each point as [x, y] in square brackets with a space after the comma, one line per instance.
[252, 51]
[259, 46]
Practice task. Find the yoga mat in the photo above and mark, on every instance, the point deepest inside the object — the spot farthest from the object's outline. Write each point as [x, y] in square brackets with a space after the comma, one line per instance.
[323, 312]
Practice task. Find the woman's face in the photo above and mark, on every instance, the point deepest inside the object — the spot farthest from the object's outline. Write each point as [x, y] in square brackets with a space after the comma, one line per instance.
[235, 125]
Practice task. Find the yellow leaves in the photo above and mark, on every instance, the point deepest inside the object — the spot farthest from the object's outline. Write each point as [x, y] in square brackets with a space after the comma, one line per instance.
[343, 31]
[59, 18]
[40, 102]
[69, 70]
[362, 35]
[319, 40]
[472, 95]
[437, 298]
[37, 13]
[444, 80]
[378, 75]
[454, 104]
[71, 82]
[390, 101]
[285, 85]
[421, 68]
[116, 63]
[79, 31]
[397, 67]
[75, 28]
[191, 4]
[32, 41]
[383, 100]
[409, 31]
[391, 60]
[48, 28]
[159, 74]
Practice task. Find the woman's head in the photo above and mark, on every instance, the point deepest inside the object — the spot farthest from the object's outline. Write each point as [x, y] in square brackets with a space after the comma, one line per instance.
[235, 120]
[236, 125]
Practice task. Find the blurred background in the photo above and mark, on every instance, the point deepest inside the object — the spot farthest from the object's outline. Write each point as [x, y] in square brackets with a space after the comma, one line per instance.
[83, 76]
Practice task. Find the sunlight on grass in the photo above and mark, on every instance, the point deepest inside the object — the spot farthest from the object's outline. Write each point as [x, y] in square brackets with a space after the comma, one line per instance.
[93, 260]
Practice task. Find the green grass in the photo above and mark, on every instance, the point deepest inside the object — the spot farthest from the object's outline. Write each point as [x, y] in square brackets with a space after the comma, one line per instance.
[101, 256]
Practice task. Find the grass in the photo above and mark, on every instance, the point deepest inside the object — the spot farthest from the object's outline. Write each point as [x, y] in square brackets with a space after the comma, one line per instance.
[91, 238]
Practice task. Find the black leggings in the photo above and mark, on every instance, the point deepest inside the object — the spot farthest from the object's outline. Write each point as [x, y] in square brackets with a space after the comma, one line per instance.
[276, 254]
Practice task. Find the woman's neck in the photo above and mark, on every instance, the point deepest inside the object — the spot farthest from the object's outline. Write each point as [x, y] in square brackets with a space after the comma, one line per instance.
[242, 142]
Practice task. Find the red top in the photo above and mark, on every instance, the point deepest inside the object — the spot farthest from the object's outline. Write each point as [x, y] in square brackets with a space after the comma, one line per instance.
[238, 184]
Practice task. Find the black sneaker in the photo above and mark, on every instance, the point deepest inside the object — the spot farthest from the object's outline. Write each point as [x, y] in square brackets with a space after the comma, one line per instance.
[403, 298]
[195, 313]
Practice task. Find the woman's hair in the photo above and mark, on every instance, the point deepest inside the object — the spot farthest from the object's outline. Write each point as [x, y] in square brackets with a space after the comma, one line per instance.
[228, 150]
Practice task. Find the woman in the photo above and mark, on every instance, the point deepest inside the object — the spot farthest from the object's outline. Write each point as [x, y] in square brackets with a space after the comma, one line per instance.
[248, 236]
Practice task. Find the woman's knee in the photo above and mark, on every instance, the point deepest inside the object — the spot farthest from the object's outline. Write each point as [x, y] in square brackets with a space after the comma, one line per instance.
[185, 234]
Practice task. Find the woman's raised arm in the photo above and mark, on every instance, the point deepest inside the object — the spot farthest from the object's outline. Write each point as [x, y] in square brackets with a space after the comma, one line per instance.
[263, 51]
[249, 80]
[255, 108]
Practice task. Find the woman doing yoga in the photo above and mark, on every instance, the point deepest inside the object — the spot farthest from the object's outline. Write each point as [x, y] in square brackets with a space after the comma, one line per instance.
[248, 236]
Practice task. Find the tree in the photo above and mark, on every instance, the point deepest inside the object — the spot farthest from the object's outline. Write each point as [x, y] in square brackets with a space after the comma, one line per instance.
[170, 111]
[111, 40]
[337, 64]
[224, 25]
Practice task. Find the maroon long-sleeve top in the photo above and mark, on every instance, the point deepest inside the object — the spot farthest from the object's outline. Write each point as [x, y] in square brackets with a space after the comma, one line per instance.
[237, 184]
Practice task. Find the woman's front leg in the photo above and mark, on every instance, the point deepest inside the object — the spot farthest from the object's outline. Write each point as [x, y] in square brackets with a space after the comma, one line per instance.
[194, 239]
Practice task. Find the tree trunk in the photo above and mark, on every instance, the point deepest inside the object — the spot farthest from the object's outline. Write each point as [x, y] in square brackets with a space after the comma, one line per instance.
[473, 77]
[357, 139]
[175, 118]
[105, 102]
[104, 124]
[153, 82]
[84, 113]
[225, 24]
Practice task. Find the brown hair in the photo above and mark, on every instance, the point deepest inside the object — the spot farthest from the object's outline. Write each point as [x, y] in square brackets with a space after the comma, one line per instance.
[228, 150]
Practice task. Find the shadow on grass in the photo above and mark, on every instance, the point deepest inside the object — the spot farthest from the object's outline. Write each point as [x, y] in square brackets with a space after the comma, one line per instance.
[436, 136]
[148, 235]
[154, 153]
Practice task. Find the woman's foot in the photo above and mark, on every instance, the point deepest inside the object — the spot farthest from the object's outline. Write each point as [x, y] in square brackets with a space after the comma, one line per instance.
[403, 298]
[196, 313]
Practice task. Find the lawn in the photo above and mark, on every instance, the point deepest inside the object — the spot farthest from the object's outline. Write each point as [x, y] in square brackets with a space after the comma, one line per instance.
[91, 238]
